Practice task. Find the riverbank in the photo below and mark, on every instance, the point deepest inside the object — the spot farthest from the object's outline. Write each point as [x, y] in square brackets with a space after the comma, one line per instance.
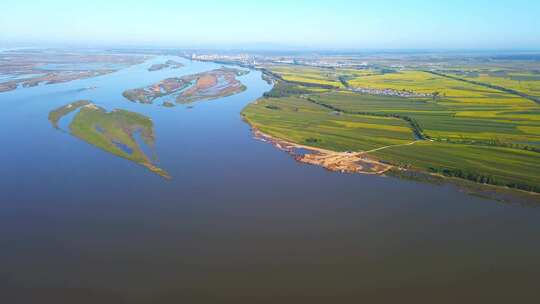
[310, 126]
[344, 162]
[359, 162]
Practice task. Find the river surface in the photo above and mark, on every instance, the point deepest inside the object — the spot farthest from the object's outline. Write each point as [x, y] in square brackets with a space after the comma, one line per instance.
[239, 222]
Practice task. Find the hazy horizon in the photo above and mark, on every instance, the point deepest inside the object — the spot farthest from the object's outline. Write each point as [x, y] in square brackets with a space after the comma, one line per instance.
[419, 24]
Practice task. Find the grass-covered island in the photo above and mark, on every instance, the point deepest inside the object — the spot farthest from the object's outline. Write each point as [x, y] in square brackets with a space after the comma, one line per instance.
[402, 120]
[169, 64]
[126, 134]
[190, 88]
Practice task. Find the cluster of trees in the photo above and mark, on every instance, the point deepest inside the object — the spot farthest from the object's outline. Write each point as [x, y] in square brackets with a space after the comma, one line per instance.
[484, 179]
[271, 74]
[472, 176]
[284, 89]
[273, 107]
[314, 85]
[418, 131]
[344, 81]
[388, 71]
[312, 140]
[530, 148]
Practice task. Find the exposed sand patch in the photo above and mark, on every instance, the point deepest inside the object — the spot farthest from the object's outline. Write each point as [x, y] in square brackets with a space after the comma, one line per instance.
[347, 162]
[207, 81]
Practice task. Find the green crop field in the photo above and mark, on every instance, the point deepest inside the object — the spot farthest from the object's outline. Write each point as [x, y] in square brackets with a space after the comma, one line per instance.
[526, 82]
[307, 75]
[447, 120]
[502, 166]
[299, 120]
[473, 132]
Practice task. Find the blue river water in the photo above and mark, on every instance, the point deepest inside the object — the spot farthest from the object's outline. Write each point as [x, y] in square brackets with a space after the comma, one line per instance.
[239, 221]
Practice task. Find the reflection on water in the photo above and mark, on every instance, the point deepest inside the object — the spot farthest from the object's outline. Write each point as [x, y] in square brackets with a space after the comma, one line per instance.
[114, 132]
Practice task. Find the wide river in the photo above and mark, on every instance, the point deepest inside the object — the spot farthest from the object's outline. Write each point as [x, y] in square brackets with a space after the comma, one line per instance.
[239, 222]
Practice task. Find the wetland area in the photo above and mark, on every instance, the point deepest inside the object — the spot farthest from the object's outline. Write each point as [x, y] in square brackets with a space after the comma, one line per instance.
[144, 183]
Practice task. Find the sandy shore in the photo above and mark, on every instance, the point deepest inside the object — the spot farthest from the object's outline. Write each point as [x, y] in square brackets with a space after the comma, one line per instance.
[347, 162]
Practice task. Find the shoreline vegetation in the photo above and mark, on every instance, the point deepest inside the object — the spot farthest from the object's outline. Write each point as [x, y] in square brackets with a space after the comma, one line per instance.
[360, 162]
[209, 85]
[329, 131]
[122, 133]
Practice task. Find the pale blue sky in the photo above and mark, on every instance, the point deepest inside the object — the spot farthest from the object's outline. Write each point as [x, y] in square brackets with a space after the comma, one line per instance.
[379, 24]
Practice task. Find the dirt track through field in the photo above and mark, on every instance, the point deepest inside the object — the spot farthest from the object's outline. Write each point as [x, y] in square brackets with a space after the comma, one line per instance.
[391, 146]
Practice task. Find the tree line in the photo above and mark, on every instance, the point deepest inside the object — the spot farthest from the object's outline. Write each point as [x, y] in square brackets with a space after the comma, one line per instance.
[483, 179]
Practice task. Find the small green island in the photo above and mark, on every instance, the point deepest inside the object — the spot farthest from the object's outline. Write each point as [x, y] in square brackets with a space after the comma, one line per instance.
[209, 85]
[122, 133]
[168, 104]
[169, 64]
